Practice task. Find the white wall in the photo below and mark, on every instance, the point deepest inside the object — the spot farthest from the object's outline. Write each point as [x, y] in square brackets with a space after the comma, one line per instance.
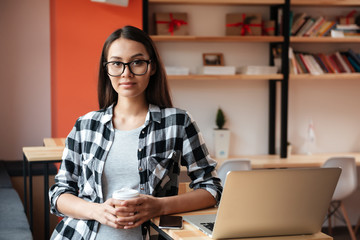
[25, 75]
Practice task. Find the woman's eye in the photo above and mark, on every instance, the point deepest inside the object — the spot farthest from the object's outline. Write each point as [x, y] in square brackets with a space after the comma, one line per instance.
[137, 62]
[116, 63]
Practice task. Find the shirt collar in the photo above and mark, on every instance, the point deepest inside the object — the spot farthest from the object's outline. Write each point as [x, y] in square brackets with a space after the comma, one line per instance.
[154, 114]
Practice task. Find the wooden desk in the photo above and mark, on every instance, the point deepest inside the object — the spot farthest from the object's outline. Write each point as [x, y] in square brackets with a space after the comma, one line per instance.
[45, 156]
[190, 232]
[294, 161]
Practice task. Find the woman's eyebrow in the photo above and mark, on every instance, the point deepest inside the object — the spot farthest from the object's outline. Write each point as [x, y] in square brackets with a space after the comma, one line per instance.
[133, 56]
[137, 55]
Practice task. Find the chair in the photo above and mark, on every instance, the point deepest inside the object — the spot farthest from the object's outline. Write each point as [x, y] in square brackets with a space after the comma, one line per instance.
[346, 185]
[233, 165]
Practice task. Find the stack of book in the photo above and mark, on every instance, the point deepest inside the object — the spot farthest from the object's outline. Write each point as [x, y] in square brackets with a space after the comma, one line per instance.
[320, 63]
[346, 30]
[307, 26]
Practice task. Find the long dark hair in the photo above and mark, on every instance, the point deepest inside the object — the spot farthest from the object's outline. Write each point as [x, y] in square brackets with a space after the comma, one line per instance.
[157, 91]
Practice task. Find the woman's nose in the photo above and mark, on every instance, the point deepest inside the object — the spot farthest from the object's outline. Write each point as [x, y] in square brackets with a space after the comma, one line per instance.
[127, 72]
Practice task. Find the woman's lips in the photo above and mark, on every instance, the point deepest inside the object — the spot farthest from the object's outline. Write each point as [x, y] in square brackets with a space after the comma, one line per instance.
[127, 84]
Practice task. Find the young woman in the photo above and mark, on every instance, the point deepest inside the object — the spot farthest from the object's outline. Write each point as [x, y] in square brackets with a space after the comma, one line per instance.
[136, 140]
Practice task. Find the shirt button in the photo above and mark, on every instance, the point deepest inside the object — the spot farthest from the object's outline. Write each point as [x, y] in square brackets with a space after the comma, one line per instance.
[142, 132]
[140, 149]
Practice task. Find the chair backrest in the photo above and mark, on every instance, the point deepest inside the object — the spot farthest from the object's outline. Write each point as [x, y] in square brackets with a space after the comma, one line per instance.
[233, 165]
[347, 183]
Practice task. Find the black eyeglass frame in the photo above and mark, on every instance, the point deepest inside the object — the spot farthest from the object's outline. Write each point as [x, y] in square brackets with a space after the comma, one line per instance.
[127, 64]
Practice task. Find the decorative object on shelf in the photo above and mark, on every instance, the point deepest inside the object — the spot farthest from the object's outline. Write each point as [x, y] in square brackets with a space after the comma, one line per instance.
[243, 24]
[221, 136]
[268, 28]
[213, 59]
[217, 70]
[348, 19]
[175, 70]
[289, 150]
[258, 70]
[171, 24]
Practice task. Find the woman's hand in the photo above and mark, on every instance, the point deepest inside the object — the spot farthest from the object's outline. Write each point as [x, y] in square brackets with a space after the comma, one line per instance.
[132, 213]
[108, 213]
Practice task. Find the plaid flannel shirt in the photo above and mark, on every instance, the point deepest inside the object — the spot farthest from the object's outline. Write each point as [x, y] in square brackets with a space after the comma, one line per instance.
[169, 138]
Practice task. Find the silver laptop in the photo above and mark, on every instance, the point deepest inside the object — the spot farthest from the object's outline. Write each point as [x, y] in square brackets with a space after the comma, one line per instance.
[277, 202]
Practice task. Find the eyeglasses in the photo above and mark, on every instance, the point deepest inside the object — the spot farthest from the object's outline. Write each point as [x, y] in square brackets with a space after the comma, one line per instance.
[136, 67]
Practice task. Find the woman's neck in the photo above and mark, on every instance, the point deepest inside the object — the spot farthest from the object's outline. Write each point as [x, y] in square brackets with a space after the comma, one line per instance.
[129, 115]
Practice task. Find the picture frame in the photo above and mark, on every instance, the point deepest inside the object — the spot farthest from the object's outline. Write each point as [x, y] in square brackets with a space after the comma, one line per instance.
[213, 59]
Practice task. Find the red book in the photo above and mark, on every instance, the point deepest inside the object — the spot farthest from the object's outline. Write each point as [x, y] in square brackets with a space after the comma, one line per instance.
[333, 63]
[304, 62]
[337, 63]
[327, 63]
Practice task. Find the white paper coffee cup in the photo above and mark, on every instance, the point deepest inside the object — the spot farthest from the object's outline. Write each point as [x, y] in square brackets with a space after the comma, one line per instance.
[125, 194]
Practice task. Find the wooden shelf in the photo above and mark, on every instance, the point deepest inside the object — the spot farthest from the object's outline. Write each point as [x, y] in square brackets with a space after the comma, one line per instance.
[221, 2]
[164, 38]
[226, 77]
[326, 2]
[324, 39]
[327, 76]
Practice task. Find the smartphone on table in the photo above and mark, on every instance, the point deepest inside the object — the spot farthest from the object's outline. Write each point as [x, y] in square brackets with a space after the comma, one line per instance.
[171, 222]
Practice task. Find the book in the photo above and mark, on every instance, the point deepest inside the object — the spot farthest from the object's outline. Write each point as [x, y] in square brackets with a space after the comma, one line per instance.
[334, 63]
[328, 31]
[316, 69]
[293, 68]
[301, 63]
[347, 62]
[313, 29]
[327, 63]
[298, 20]
[309, 22]
[321, 63]
[279, 21]
[342, 63]
[354, 64]
[325, 30]
[354, 56]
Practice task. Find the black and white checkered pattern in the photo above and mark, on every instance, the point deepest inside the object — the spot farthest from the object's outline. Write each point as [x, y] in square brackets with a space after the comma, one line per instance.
[169, 138]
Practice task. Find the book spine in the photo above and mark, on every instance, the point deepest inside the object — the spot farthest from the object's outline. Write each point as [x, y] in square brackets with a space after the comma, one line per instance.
[342, 63]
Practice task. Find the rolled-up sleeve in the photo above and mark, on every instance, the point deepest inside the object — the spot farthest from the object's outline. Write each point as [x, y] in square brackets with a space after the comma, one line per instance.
[200, 166]
[66, 180]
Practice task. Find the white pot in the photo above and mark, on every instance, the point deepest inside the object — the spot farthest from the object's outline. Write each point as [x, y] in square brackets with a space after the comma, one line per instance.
[222, 143]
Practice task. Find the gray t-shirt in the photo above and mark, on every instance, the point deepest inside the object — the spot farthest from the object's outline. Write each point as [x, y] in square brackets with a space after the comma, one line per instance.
[121, 170]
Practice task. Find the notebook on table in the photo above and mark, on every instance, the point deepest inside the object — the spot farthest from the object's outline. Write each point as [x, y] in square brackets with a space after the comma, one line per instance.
[273, 202]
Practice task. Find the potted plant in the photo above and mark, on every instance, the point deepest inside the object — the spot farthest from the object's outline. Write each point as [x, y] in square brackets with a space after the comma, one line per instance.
[221, 136]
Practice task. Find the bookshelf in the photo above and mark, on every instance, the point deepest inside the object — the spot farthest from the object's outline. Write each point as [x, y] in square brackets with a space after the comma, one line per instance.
[226, 77]
[264, 39]
[199, 38]
[284, 40]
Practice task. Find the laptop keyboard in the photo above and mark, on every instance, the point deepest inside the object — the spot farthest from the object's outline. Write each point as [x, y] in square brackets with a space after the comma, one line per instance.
[208, 225]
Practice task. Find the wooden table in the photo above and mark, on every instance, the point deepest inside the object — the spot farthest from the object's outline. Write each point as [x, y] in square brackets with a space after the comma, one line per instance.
[45, 156]
[189, 232]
